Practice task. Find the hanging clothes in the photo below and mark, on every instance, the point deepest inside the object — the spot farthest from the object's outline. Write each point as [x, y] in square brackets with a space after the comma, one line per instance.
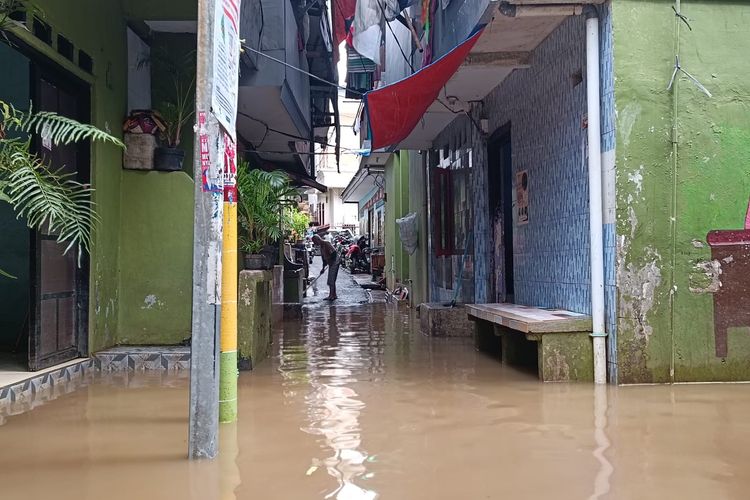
[368, 19]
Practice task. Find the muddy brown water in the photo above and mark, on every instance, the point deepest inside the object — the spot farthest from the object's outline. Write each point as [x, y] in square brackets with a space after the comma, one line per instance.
[357, 405]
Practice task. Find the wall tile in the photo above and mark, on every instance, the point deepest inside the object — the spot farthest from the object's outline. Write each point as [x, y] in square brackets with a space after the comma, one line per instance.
[551, 253]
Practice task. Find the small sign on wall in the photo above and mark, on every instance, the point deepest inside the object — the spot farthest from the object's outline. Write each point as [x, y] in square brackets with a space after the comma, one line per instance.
[522, 197]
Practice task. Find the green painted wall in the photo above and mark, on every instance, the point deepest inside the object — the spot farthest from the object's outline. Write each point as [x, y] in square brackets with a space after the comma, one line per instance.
[156, 258]
[417, 191]
[397, 205]
[144, 249]
[669, 196]
[403, 186]
[104, 40]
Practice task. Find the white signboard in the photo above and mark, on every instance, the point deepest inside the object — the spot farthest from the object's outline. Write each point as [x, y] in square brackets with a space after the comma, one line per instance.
[226, 64]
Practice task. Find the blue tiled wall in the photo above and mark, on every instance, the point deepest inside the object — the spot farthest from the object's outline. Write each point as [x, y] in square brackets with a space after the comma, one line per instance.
[546, 112]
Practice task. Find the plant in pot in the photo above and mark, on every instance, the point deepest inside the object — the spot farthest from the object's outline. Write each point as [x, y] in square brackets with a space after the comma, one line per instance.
[262, 198]
[176, 109]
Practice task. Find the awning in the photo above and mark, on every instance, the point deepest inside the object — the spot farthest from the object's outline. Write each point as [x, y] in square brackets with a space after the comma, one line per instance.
[394, 110]
[368, 178]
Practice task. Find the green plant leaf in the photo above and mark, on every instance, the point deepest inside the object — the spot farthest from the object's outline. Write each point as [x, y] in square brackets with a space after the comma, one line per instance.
[60, 130]
[48, 200]
[6, 275]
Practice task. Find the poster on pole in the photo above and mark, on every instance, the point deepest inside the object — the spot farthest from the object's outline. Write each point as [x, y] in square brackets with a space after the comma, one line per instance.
[226, 64]
[230, 170]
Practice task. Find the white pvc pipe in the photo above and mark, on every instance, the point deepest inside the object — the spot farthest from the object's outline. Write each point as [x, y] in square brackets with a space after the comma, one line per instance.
[595, 200]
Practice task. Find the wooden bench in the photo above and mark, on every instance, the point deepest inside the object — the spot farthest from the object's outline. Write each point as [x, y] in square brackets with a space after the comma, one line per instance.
[564, 351]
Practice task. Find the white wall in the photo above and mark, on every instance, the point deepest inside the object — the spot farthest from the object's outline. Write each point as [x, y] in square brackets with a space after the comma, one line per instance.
[338, 213]
[139, 73]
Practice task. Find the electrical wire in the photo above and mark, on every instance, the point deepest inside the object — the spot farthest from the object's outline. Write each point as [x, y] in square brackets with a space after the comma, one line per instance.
[291, 66]
[292, 136]
[462, 112]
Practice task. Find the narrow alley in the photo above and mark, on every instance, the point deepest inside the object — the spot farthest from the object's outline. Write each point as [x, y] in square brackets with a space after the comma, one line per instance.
[538, 210]
[356, 404]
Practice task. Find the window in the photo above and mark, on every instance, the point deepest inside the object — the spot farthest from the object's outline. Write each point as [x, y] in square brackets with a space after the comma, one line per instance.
[443, 206]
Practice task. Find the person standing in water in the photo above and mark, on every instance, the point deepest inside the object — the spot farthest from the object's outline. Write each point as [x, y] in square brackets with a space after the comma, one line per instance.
[330, 260]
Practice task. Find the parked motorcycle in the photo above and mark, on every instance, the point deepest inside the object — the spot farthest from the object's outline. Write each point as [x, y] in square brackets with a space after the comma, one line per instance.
[357, 257]
[341, 244]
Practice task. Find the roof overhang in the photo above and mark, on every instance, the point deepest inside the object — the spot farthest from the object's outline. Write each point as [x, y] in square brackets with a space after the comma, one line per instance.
[364, 181]
[294, 169]
[505, 45]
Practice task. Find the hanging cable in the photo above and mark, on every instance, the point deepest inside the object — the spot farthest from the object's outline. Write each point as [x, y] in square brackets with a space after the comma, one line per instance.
[291, 66]
[462, 112]
[281, 132]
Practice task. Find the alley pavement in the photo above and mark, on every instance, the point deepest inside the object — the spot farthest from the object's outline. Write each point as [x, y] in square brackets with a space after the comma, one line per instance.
[348, 290]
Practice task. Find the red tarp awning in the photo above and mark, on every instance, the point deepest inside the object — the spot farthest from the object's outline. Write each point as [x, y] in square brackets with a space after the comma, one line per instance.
[394, 110]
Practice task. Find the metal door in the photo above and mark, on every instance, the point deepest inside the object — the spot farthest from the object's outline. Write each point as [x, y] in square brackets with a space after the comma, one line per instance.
[59, 298]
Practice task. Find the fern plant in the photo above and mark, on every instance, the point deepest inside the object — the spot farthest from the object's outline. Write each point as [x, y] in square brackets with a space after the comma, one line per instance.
[46, 198]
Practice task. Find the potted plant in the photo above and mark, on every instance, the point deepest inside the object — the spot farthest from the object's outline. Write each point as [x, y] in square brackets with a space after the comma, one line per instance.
[262, 198]
[176, 109]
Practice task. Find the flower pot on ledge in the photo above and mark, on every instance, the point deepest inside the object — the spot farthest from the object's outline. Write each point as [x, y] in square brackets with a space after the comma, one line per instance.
[255, 262]
[168, 159]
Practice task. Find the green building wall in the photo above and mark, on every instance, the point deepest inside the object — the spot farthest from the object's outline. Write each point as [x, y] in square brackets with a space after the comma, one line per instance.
[397, 205]
[104, 40]
[156, 258]
[417, 203]
[683, 170]
[143, 245]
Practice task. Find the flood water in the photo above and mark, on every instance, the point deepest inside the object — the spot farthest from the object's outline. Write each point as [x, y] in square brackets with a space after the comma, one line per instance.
[356, 404]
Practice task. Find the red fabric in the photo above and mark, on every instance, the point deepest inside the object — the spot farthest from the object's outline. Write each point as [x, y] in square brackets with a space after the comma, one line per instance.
[394, 110]
[340, 11]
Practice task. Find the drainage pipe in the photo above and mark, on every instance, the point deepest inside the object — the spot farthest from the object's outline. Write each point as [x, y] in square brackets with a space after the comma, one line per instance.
[593, 98]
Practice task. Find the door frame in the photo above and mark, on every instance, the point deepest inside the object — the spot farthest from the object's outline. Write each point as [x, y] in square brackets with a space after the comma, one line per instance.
[501, 136]
[44, 68]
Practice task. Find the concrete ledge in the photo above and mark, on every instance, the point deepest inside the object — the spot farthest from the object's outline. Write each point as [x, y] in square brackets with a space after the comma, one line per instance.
[438, 320]
[254, 310]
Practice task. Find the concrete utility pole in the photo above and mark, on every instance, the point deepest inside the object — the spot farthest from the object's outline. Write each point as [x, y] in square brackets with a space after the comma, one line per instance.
[207, 247]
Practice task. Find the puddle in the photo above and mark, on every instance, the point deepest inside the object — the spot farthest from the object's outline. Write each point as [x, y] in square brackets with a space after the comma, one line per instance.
[356, 406]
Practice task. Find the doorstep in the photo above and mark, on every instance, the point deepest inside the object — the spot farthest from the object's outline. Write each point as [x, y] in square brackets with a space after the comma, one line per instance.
[22, 391]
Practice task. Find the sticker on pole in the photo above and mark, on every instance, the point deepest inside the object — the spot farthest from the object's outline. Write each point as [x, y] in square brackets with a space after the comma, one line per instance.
[230, 170]
[226, 64]
[211, 175]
